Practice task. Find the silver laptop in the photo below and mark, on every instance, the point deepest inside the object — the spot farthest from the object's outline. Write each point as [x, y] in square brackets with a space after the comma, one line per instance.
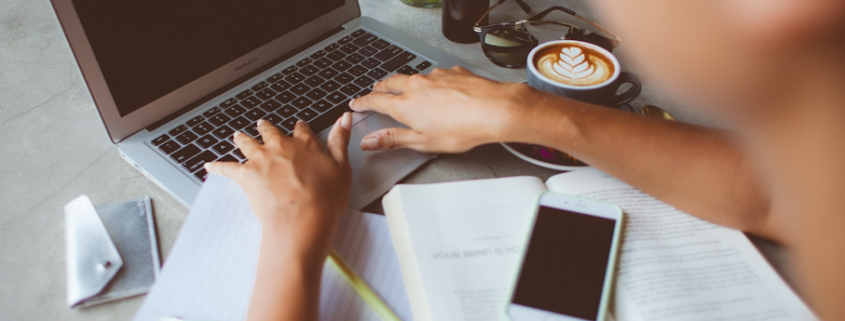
[173, 80]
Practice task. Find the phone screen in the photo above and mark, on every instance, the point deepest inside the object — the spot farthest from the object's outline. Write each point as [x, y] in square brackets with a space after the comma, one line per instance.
[565, 264]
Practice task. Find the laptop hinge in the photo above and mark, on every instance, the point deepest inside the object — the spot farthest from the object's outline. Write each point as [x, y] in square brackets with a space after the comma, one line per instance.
[246, 77]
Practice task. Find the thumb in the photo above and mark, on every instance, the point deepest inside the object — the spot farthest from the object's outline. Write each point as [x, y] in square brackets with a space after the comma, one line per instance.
[391, 138]
[229, 169]
[338, 143]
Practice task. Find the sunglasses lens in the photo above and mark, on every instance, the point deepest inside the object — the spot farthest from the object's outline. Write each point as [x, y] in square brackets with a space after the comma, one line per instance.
[507, 46]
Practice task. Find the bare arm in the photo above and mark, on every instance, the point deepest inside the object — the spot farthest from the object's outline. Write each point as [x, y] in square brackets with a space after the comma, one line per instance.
[698, 170]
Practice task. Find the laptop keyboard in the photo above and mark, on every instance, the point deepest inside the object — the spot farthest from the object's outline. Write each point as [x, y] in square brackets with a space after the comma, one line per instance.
[316, 90]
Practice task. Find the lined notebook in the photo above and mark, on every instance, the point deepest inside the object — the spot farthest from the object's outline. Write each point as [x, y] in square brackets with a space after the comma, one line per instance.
[210, 271]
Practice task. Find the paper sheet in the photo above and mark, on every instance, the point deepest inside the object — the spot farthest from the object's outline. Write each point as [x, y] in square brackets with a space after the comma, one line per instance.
[210, 271]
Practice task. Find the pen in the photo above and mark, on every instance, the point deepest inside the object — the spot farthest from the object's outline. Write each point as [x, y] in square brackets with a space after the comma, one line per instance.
[371, 298]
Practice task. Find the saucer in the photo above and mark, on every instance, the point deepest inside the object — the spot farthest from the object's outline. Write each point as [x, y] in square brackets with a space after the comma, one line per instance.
[545, 156]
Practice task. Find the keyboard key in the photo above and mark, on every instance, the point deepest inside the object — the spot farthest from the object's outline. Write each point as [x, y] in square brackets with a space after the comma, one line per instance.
[270, 105]
[315, 94]
[219, 119]
[363, 41]
[273, 119]
[364, 81]
[227, 158]
[250, 102]
[330, 86]
[202, 174]
[314, 81]
[185, 153]
[380, 44]
[322, 63]
[260, 86]
[275, 78]
[341, 66]
[251, 131]
[321, 105]
[265, 94]
[285, 97]
[228, 103]
[235, 110]
[309, 70]
[306, 114]
[388, 53]
[349, 48]
[168, 147]
[328, 73]
[289, 70]
[280, 86]
[244, 94]
[289, 123]
[371, 63]
[423, 65]
[203, 128]
[407, 70]
[358, 33]
[239, 123]
[362, 93]
[354, 58]
[255, 114]
[294, 78]
[398, 61]
[345, 40]
[344, 78]
[329, 118]
[367, 51]
[337, 55]
[223, 148]
[196, 163]
[207, 141]
[303, 62]
[301, 102]
[160, 139]
[286, 111]
[224, 132]
[318, 54]
[336, 97]
[377, 74]
[195, 121]
[178, 130]
[300, 89]
[211, 112]
[238, 154]
[186, 137]
[332, 47]
[350, 89]
[357, 71]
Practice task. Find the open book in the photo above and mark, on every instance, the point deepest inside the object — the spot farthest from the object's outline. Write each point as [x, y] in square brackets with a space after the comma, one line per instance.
[459, 246]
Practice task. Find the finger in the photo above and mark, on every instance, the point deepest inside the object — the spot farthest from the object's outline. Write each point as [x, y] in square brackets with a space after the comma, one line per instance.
[380, 102]
[338, 144]
[228, 169]
[302, 131]
[391, 138]
[269, 133]
[394, 84]
[247, 144]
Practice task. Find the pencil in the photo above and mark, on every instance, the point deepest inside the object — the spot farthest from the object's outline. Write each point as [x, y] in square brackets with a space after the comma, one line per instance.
[361, 287]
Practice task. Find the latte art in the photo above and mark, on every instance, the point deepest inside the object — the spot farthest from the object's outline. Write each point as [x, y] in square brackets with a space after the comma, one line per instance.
[574, 65]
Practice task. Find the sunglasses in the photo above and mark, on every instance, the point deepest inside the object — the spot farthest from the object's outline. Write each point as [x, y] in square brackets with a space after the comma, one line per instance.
[508, 44]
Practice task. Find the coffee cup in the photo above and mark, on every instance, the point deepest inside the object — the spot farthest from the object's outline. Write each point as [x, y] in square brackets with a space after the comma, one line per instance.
[582, 71]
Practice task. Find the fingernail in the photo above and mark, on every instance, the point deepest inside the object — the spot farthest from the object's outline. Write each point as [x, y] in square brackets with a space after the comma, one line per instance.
[300, 121]
[346, 120]
[206, 165]
[261, 121]
[369, 143]
[237, 133]
[351, 102]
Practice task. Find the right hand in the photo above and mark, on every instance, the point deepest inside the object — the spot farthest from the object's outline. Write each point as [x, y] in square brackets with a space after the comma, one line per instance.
[448, 111]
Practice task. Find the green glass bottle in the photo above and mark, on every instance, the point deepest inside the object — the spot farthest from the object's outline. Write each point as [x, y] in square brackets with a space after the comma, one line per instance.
[423, 3]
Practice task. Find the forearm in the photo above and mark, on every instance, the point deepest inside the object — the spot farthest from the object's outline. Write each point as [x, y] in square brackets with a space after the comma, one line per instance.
[287, 283]
[695, 169]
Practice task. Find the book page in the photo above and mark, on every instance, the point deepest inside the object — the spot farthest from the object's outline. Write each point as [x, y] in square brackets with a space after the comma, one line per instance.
[673, 266]
[210, 271]
[459, 243]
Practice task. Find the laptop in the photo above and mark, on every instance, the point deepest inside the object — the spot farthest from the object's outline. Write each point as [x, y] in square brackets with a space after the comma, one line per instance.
[172, 80]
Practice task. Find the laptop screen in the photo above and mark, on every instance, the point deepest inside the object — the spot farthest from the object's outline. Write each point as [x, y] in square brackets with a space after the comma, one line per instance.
[147, 49]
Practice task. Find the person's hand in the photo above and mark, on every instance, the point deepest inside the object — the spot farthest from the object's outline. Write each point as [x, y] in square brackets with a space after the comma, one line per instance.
[296, 189]
[448, 111]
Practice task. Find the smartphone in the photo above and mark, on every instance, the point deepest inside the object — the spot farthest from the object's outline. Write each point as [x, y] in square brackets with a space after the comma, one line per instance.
[568, 263]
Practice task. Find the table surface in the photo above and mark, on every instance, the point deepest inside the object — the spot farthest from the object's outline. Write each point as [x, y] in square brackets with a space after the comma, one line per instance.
[54, 147]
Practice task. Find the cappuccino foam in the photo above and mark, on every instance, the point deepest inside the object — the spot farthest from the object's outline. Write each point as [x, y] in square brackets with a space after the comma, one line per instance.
[574, 65]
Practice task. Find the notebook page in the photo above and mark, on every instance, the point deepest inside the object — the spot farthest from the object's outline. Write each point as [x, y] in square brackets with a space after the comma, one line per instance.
[210, 271]
[673, 266]
[461, 244]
